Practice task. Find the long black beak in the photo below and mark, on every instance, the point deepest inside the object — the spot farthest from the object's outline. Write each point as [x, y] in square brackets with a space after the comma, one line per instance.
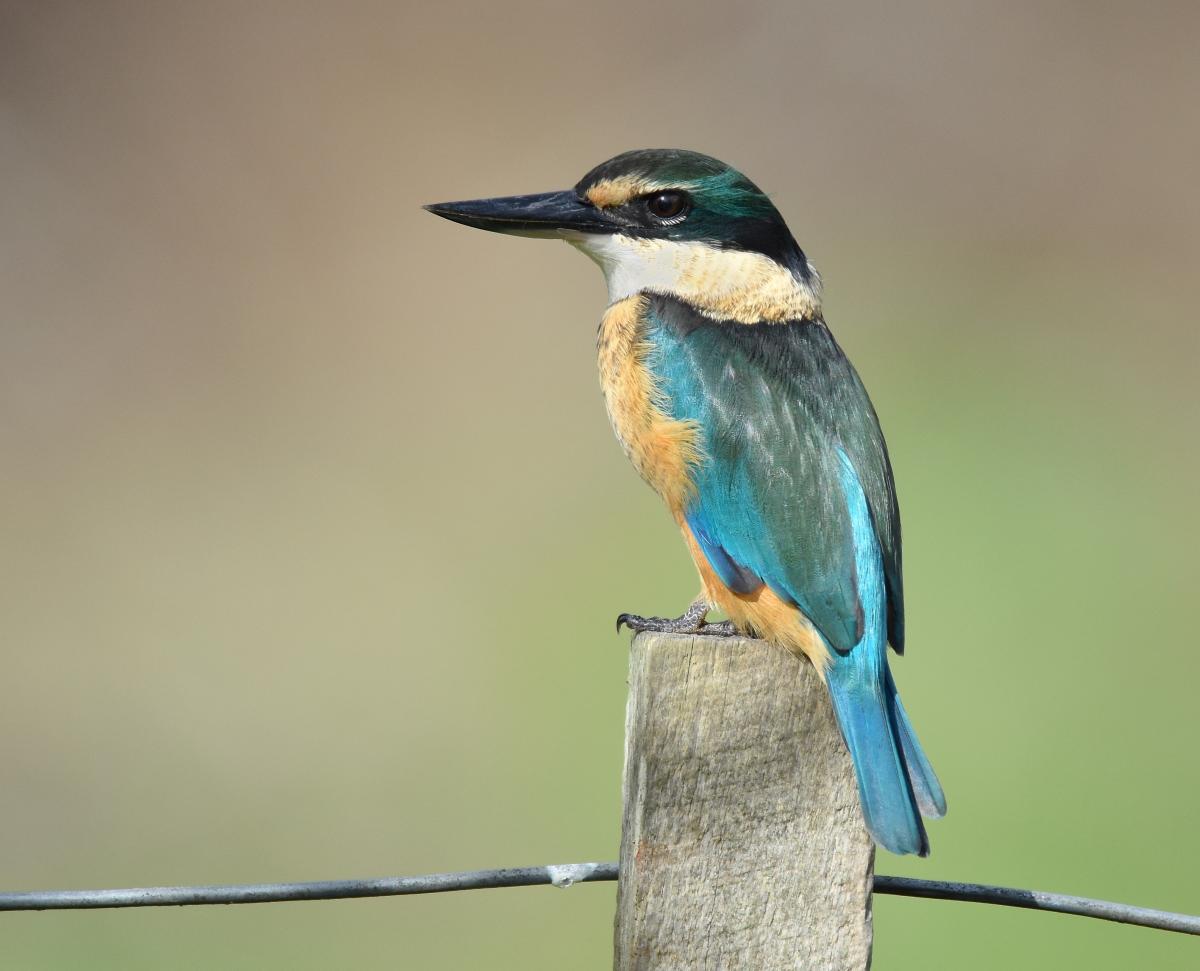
[545, 214]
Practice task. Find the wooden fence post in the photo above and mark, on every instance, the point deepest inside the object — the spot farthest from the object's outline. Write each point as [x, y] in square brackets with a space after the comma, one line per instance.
[742, 843]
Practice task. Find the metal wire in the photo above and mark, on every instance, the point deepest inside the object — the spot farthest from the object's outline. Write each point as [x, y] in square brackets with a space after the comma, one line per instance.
[1061, 903]
[261, 893]
[562, 875]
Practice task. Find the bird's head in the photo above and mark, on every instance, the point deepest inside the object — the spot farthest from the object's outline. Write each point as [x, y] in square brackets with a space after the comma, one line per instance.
[668, 221]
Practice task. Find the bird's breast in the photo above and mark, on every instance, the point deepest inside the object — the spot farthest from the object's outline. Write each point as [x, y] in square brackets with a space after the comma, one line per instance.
[663, 449]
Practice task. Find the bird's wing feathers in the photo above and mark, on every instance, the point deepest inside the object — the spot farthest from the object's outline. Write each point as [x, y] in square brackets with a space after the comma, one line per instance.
[776, 403]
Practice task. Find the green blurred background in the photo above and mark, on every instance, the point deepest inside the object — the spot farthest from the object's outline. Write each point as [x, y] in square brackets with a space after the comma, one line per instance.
[312, 530]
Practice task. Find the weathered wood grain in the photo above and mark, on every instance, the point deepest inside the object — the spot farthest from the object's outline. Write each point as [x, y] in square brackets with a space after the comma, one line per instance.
[742, 842]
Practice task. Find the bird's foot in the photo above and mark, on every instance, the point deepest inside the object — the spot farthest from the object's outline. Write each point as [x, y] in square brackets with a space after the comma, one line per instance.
[690, 622]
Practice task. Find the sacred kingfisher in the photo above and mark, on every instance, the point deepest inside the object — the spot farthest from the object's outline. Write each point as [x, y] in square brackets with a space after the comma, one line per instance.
[735, 403]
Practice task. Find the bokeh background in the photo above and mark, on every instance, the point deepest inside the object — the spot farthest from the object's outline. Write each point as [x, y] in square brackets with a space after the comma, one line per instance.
[312, 530]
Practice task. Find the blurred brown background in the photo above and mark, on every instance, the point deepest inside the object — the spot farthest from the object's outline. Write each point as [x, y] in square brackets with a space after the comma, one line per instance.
[312, 530]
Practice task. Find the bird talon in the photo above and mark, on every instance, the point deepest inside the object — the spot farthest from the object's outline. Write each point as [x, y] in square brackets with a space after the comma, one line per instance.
[635, 622]
[690, 622]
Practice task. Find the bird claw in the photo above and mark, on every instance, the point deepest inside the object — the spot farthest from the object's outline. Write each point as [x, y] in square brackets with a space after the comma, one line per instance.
[691, 622]
[638, 623]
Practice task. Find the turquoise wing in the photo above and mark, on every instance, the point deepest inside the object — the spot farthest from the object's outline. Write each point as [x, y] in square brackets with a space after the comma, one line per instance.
[795, 491]
[778, 405]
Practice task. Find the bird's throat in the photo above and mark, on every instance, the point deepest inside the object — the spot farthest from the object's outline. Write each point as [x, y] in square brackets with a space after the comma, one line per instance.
[726, 284]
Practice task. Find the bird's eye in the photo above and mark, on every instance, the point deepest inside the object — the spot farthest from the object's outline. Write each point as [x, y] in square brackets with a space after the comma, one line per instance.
[667, 205]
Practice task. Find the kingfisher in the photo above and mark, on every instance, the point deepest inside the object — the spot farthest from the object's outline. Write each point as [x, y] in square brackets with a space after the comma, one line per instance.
[733, 401]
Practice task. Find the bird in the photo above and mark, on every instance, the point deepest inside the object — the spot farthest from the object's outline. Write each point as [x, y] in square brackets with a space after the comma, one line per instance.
[731, 397]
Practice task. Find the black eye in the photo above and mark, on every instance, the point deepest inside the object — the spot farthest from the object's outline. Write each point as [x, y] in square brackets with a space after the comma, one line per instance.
[666, 205]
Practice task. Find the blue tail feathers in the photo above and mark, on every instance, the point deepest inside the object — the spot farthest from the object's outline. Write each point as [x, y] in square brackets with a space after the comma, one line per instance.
[926, 788]
[891, 785]
[870, 726]
[896, 783]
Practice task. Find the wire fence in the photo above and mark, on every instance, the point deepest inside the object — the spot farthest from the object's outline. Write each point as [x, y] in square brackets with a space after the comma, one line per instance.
[561, 875]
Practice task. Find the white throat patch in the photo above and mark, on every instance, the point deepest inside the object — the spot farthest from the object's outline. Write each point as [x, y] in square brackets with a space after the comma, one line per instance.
[724, 283]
